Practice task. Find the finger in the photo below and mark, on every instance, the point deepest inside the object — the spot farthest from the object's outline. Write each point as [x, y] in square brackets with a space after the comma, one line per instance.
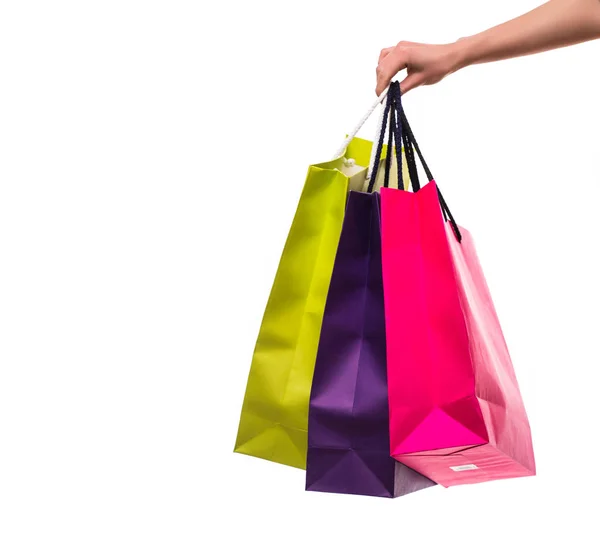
[384, 53]
[411, 81]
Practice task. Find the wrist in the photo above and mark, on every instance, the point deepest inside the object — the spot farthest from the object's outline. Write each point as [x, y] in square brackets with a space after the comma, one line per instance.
[464, 52]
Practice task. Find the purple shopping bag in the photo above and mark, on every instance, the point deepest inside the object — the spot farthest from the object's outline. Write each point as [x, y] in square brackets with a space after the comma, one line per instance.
[348, 425]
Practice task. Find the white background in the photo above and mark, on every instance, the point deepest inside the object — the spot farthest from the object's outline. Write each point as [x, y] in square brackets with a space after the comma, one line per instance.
[151, 158]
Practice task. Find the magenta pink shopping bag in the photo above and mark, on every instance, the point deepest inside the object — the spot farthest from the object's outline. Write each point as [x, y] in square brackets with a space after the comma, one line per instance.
[456, 413]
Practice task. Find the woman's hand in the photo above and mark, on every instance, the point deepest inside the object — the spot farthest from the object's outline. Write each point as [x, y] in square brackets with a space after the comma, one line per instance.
[555, 24]
[426, 64]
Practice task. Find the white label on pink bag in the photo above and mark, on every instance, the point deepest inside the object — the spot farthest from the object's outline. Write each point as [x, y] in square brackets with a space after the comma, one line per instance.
[467, 467]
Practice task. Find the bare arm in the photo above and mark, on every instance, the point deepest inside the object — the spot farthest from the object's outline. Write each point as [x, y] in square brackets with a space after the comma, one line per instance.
[555, 24]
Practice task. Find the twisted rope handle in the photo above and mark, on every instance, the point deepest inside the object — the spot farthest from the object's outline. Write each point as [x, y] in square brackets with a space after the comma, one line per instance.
[378, 130]
[409, 142]
[378, 146]
[359, 125]
[388, 158]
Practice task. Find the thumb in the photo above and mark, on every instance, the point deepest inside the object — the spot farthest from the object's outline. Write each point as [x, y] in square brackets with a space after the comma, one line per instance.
[388, 68]
[411, 81]
[383, 81]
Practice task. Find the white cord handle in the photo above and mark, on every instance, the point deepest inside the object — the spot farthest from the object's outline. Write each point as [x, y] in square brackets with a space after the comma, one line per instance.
[375, 142]
[358, 127]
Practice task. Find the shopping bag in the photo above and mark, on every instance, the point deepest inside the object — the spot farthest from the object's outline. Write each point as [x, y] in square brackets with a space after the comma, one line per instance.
[348, 426]
[274, 419]
[456, 413]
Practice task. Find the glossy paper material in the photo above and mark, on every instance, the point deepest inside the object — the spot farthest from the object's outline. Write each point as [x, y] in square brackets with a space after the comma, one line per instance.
[348, 428]
[456, 413]
[274, 419]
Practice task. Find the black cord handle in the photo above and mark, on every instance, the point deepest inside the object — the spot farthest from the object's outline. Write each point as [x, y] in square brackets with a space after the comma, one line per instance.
[410, 160]
[410, 141]
[398, 131]
[394, 131]
[397, 135]
[386, 112]
[388, 158]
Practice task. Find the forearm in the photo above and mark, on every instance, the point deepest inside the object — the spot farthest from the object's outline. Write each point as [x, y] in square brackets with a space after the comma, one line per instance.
[555, 24]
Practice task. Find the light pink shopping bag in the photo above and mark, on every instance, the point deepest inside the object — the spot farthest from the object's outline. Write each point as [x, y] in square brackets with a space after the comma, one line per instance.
[456, 413]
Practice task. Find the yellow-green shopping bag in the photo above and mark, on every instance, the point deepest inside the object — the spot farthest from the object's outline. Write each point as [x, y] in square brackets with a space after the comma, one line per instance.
[274, 419]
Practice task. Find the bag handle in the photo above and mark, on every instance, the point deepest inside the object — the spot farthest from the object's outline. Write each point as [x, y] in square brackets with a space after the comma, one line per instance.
[376, 151]
[378, 146]
[408, 138]
[410, 160]
[378, 129]
[381, 124]
[397, 134]
[359, 125]
[388, 158]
